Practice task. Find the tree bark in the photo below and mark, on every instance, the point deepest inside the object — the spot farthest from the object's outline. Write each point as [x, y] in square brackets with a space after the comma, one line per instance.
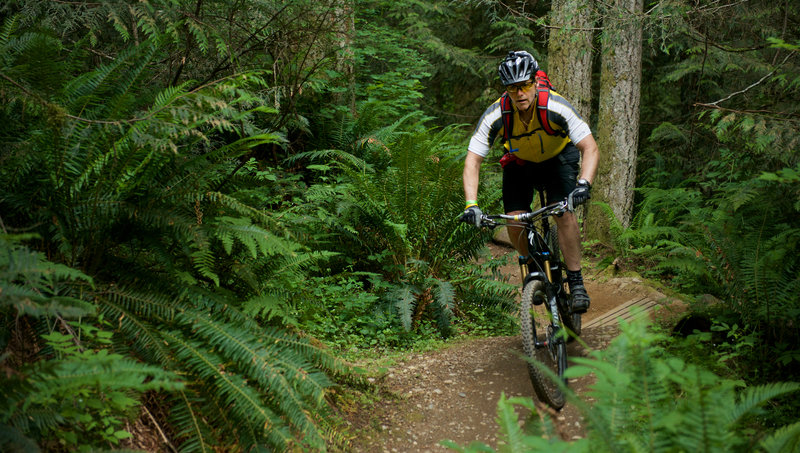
[618, 122]
[569, 54]
[345, 15]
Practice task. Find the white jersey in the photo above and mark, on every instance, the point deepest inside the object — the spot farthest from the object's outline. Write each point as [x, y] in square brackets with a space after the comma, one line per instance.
[531, 143]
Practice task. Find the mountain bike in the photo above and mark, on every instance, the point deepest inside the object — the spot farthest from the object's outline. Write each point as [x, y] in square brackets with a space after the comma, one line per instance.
[546, 319]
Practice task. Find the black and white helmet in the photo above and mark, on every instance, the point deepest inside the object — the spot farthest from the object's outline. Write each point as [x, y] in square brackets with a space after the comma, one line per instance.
[519, 66]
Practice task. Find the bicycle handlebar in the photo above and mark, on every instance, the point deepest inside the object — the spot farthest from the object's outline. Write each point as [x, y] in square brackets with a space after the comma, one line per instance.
[550, 210]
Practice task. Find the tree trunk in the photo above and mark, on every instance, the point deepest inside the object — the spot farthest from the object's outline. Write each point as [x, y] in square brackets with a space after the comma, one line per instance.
[618, 122]
[569, 54]
[345, 15]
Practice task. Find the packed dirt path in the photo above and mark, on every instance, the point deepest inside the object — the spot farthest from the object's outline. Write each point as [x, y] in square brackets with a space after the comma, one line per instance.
[453, 393]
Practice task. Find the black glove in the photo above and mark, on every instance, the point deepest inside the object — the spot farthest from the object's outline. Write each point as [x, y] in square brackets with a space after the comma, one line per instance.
[582, 193]
[472, 216]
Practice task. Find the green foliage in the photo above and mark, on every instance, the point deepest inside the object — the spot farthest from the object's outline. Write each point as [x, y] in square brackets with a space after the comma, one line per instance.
[645, 399]
[147, 192]
[454, 47]
[82, 397]
[79, 393]
[394, 210]
[717, 209]
[36, 287]
[728, 245]
[343, 313]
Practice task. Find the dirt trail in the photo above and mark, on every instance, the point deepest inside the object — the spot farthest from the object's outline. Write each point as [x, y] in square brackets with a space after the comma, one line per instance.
[453, 393]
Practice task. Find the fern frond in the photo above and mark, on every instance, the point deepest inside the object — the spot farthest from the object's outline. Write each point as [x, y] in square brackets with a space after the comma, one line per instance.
[752, 397]
[129, 79]
[508, 420]
[256, 240]
[261, 359]
[444, 304]
[241, 208]
[404, 300]
[231, 390]
[320, 358]
[8, 29]
[147, 341]
[109, 371]
[784, 440]
[12, 439]
[204, 261]
[37, 287]
[332, 155]
[192, 424]
[266, 305]
[82, 92]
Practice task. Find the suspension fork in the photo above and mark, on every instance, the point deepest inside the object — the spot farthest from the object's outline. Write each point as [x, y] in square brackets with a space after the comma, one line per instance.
[554, 331]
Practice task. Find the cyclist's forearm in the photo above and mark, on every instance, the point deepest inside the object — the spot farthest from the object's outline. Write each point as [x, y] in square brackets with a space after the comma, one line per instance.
[471, 176]
[590, 156]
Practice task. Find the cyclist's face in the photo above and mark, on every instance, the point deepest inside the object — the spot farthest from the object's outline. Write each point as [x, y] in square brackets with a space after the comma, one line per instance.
[522, 94]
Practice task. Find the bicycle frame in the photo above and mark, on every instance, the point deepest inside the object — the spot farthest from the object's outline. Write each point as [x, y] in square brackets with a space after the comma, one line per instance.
[550, 273]
[544, 333]
[540, 255]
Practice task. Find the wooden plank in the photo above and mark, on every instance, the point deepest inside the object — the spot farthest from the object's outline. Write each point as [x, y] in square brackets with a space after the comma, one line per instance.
[614, 313]
[623, 311]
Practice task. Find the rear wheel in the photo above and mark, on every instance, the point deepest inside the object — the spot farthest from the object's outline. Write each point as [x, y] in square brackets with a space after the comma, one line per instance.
[572, 321]
[542, 343]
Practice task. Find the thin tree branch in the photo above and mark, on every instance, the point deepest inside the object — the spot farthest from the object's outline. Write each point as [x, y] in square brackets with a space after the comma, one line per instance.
[750, 87]
[158, 428]
[775, 115]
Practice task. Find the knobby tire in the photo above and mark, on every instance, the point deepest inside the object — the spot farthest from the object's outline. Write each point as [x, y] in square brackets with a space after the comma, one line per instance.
[534, 322]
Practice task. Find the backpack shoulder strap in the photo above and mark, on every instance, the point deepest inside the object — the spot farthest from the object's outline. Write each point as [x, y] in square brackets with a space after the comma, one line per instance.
[543, 88]
[508, 116]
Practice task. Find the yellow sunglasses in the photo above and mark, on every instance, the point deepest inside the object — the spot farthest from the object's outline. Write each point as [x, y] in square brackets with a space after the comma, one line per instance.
[521, 86]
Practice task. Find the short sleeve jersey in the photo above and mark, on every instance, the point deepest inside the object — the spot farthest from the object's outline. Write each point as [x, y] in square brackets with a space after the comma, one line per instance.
[531, 143]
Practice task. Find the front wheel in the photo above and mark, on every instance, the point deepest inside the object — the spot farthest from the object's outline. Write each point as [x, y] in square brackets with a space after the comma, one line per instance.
[543, 342]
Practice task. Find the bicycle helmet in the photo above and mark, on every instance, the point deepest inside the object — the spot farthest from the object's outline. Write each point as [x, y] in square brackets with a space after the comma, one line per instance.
[517, 67]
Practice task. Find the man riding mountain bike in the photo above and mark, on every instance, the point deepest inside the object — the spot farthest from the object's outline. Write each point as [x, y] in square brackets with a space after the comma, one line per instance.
[543, 150]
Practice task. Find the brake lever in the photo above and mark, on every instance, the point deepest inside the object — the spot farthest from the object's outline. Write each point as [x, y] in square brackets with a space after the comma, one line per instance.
[488, 223]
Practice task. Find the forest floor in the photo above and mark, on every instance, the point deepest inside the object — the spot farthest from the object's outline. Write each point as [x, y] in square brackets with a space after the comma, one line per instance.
[452, 393]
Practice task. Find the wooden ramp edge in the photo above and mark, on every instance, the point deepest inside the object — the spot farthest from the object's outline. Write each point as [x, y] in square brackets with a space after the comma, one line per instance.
[644, 306]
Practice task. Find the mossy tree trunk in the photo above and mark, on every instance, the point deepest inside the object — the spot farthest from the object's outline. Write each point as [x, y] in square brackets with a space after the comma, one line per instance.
[618, 121]
[569, 54]
[345, 17]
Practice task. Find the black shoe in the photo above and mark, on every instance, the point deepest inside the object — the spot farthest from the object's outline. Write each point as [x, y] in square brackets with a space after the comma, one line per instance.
[580, 299]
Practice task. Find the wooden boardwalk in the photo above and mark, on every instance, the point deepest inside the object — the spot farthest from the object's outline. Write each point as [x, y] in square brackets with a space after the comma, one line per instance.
[632, 309]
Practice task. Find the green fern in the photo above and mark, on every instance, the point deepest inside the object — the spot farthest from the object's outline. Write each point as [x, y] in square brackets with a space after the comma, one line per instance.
[645, 399]
[78, 390]
[784, 440]
[396, 203]
[140, 187]
[34, 286]
[404, 299]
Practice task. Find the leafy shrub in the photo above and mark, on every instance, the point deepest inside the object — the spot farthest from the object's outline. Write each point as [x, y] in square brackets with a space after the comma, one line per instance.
[393, 210]
[78, 394]
[717, 209]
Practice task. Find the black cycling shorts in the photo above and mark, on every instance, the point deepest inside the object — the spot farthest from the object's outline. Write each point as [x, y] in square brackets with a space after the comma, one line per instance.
[557, 176]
